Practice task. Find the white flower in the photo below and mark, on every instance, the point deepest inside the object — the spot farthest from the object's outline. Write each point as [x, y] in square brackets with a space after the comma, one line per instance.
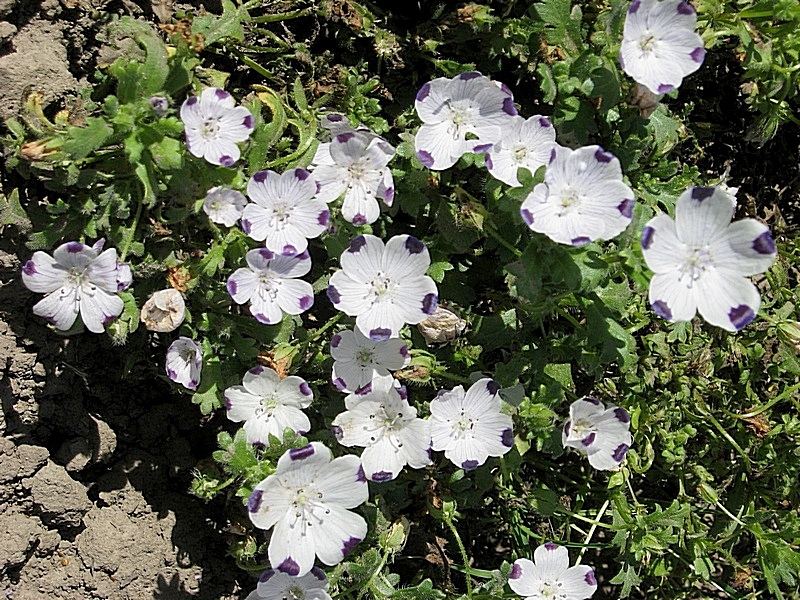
[451, 109]
[659, 45]
[283, 212]
[582, 198]
[275, 585]
[268, 404]
[78, 280]
[306, 501]
[359, 360]
[184, 362]
[224, 206]
[523, 143]
[469, 426]
[357, 168]
[384, 286]
[702, 261]
[213, 125]
[382, 421]
[599, 432]
[271, 286]
[549, 576]
[164, 311]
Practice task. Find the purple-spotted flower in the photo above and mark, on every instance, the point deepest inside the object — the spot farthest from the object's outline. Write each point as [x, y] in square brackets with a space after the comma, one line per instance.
[275, 585]
[185, 362]
[269, 405]
[384, 286]
[603, 434]
[523, 143]
[284, 213]
[213, 126]
[460, 115]
[387, 427]
[271, 286]
[549, 576]
[469, 426]
[582, 199]
[78, 280]
[354, 164]
[702, 261]
[306, 501]
[659, 45]
[224, 206]
[359, 360]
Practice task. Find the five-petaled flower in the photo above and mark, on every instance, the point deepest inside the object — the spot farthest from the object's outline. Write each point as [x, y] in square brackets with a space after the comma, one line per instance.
[599, 432]
[549, 576]
[460, 115]
[659, 45]
[523, 143]
[359, 361]
[381, 420]
[269, 405]
[284, 213]
[582, 199]
[213, 125]
[271, 286]
[78, 280]
[276, 585]
[224, 206]
[384, 286]
[702, 261]
[306, 500]
[469, 426]
[354, 163]
[185, 362]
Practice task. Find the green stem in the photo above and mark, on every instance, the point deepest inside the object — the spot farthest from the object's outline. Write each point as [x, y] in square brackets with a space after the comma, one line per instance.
[368, 585]
[592, 529]
[292, 14]
[787, 393]
[447, 518]
[489, 227]
[126, 244]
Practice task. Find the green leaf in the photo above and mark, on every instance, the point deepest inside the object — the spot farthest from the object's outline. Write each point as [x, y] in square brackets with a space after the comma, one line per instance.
[82, 141]
[628, 578]
[12, 213]
[228, 25]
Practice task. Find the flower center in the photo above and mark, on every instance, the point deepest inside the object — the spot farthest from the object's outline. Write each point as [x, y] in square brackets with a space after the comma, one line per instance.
[76, 280]
[268, 284]
[308, 507]
[463, 426]
[520, 153]
[281, 214]
[383, 424]
[365, 356]
[552, 589]
[187, 355]
[570, 201]
[580, 429]
[294, 592]
[380, 287]
[267, 405]
[647, 42]
[459, 120]
[694, 263]
[210, 128]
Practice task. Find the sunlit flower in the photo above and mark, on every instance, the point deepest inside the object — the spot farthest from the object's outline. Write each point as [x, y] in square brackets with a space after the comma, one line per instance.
[387, 427]
[224, 206]
[660, 46]
[603, 434]
[702, 261]
[359, 360]
[284, 213]
[78, 280]
[459, 115]
[275, 585]
[268, 404]
[306, 500]
[582, 199]
[271, 286]
[357, 168]
[185, 362]
[469, 426]
[213, 125]
[523, 143]
[549, 576]
[384, 286]
[164, 311]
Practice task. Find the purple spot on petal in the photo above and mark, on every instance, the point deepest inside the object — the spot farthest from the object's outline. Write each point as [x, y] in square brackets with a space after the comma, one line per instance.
[402, 391]
[685, 8]
[698, 54]
[591, 399]
[359, 219]
[337, 432]
[481, 148]
[318, 573]
[339, 384]
[701, 193]
[426, 158]
[335, 118]
[226, 161]
[333, 295]
[356, 244]
[509, 108]
[469, 75]
[622, 415]
[551, 546]
[324, 217]
[221, 94]
[388, 195]
[289, 250]
[266, 575]
[516, 572]
[74, 247]
[336, 340]
[741, 315]
[301, 174]
[620, 452]
[108, 318]
[303, 255]
[469, 465]
[191, 101]
[380, 334]
[424, 92]
[404, 351]
[492, 387]
[305, 389]
[301, 453]
[634, 7]
[589, 578]
[505, 89]
[662, 309]
[172, 374]
[248, 121]
[507, 439]
[602, 156]
[647, 237]
[261, 176]
[364, 389]
[589, 439]
[345, 137]
[665, 88]
[30, 268]
[526, 216]
[567, 427]
[381, 476]
[413, 245]
[289, 566]
[246, 226]
[545, 122]
[361, 477]
[553, 154]
[254, 501]
[580, 240]
[429, 303]
[764, 244]
[488, 160]
[266, 253]
[350, 545]
[228, 404]
[625, 208]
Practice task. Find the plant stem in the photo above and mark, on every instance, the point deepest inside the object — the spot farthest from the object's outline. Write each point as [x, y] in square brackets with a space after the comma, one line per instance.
[447, 518]
[592, 529]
